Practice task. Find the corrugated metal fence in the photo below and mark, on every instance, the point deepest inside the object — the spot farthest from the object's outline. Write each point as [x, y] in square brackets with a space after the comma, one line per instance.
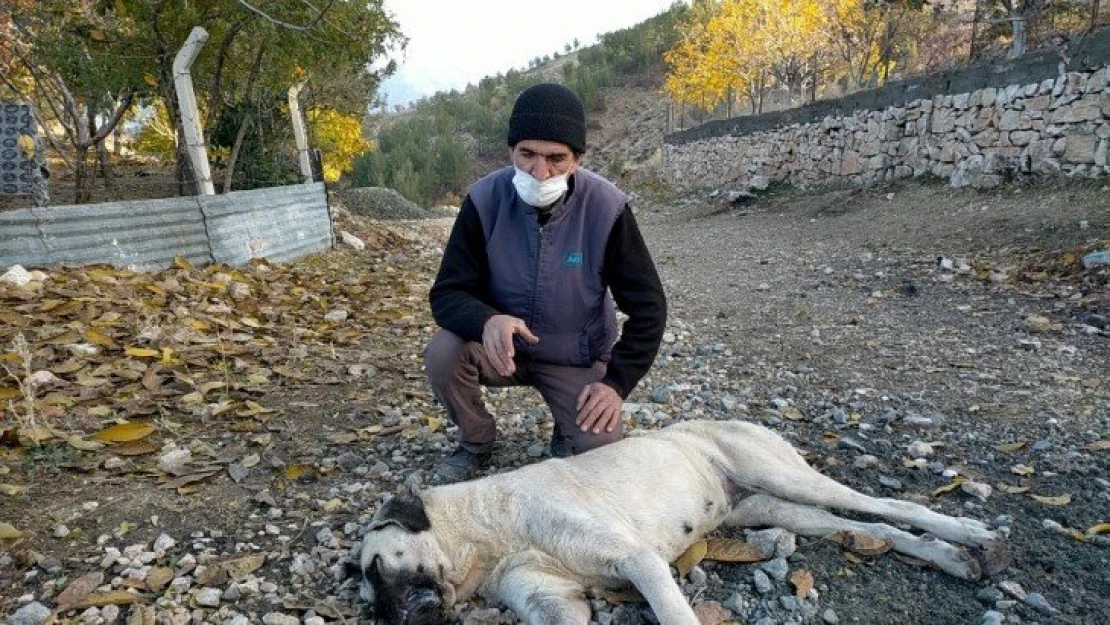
[279, 223]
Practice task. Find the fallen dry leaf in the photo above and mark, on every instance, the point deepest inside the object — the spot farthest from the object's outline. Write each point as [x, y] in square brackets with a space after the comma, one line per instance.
[854, 559]
[728, 550]
[1099, 445]
[190, 478]
[141, 352]
[135, 448]
[1058, 500]
[159, 577]
[688, 560]
[711, 613]
[8, 532]
[792, 413]
[863, 544]
[1101, 528]
[234, 570]
[949, 487]
[124, 432]
[1013, 490]
[80, 588]
[297, 471]
[13, 490]
[803, 583]
[1022, 469]
[101, 599]
[1011, 447]
[81, 444]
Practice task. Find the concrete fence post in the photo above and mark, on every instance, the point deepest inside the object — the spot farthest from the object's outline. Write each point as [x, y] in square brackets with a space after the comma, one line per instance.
[190, 116]
[299, 131]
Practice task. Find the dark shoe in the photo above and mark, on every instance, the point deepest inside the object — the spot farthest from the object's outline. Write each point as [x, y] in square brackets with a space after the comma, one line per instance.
[460, 466]
[559, 447]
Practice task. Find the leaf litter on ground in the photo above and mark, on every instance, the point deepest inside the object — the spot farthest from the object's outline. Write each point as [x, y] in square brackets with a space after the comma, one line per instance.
[122, 359]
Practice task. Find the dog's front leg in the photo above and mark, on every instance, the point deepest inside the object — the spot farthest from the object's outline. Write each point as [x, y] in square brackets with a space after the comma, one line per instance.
[651, 575]
[542, 598]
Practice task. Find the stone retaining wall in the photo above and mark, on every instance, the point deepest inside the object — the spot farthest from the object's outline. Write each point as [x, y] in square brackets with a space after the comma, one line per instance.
[1057, 126]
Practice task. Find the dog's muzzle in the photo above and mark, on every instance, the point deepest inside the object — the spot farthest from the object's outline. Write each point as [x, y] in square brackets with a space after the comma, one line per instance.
[423, 606]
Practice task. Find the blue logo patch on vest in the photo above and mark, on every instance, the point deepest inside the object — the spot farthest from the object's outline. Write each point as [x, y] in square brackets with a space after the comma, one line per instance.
[573, 259]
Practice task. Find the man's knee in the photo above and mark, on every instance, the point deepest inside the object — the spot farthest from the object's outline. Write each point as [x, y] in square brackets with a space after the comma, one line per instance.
[581, 442]
[445, 353]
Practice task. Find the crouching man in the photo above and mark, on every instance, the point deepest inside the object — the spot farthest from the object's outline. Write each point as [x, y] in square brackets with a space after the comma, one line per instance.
[525, 292]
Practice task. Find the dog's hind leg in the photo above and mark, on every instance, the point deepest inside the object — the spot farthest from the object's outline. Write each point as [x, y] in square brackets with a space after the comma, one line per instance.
[765, 510]
[763, 462]
[813, 488]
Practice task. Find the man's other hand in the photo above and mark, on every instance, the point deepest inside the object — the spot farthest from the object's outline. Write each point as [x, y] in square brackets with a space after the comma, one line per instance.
[599, 408]
[497, 339]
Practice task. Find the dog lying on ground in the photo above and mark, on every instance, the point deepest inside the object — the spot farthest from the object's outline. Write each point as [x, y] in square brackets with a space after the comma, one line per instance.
[542, 538]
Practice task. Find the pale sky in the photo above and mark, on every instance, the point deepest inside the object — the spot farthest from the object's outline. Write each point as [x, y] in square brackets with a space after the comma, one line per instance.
[455, 42]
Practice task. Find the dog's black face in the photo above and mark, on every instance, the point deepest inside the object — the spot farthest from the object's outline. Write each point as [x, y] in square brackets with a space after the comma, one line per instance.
[399, 564]
[400, 599]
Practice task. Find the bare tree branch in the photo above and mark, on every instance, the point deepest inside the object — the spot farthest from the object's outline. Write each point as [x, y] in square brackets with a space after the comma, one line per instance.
[123, 103]
[304, 28]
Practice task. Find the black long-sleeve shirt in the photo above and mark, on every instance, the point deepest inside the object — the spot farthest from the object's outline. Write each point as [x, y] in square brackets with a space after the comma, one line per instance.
[460, 297]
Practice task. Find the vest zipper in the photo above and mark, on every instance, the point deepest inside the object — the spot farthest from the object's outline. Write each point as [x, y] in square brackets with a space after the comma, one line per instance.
[536, 281]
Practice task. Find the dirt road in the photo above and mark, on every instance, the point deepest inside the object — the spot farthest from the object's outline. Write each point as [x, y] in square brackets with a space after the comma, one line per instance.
[825, 315]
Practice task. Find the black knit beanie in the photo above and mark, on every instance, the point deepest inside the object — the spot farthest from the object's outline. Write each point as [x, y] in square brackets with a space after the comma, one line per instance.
[549, 112]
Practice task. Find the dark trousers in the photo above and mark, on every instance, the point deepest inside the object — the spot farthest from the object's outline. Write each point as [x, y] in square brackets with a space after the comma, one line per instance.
[456, 369]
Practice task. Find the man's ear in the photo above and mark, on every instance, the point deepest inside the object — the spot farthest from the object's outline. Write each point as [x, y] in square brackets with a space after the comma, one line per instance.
[405, 511]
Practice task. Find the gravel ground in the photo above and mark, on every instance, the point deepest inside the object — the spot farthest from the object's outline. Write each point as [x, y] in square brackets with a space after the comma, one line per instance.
[824, 315]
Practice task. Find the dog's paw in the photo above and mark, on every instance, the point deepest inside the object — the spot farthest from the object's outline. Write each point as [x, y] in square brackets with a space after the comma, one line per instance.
[963, 564]
[976, 532]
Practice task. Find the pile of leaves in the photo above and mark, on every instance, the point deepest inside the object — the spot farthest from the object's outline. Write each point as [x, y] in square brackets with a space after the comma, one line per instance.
[99, 354]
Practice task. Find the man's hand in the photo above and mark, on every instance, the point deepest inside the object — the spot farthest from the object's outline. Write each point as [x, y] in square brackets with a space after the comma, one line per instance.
[599, 408]
[497, 338]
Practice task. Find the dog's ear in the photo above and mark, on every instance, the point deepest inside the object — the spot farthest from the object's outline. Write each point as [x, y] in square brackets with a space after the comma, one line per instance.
[405, 511]
[351, 570]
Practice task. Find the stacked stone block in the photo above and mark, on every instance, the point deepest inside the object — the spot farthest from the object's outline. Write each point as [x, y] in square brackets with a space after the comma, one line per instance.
[1056, 127]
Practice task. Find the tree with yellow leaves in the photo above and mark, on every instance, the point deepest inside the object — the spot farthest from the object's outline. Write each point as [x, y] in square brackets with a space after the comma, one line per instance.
[751, 46]
[339, 138]
[741, 45]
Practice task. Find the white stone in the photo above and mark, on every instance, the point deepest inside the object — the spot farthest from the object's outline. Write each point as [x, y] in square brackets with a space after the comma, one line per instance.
[977, 489]
[16, 275]
[164, 542]
[208, 597]
[174, 460]
[352, 240]
[43, 378]
[920, 449]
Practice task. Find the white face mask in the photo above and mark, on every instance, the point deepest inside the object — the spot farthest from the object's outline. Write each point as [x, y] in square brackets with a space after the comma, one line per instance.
[536, 193]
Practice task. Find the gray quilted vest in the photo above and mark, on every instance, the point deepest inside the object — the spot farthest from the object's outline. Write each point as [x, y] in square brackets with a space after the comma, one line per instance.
[551, 276]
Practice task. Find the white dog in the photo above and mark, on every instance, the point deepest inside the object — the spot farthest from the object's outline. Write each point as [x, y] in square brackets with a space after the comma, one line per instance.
[542, 538]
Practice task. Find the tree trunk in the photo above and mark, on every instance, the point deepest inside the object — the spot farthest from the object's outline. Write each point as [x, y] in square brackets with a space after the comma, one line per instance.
[82, 192]
[971, 52]
[230, 173]
[105, 164]
[1094, 16]
[1019, 26]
